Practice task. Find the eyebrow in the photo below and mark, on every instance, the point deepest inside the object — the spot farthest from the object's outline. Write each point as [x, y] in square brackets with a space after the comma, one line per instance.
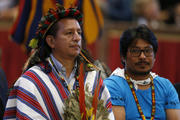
[150, 46]
[73, 29]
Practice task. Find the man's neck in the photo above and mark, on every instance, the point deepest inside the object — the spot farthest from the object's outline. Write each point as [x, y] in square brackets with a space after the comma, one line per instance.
[135, 76]
[138, 78]
[68, 64]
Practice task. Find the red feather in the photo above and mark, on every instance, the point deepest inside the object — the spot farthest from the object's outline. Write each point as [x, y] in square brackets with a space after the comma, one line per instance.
[96, 93]
[82, 104]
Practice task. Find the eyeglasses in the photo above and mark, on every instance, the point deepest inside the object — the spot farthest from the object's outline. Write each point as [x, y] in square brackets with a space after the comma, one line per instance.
[136, 52]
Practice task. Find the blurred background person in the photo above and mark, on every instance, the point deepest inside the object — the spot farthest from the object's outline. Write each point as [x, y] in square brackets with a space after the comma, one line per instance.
[3, 90]
[6, 7]
[177, 15]
[146, 12]
[117, 10]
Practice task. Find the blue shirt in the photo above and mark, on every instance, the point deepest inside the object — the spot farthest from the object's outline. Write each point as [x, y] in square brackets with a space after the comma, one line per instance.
[62, 70]
[166, 97]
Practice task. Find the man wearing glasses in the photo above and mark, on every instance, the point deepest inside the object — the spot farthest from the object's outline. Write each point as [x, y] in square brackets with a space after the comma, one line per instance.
[136, 92]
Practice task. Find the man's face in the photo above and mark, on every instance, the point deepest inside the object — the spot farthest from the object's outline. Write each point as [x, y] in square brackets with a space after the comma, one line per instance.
[67, 42]
[140, 58]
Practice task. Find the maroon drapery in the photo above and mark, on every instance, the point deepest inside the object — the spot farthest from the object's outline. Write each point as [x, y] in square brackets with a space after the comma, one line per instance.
[167, 61]
[12, 59]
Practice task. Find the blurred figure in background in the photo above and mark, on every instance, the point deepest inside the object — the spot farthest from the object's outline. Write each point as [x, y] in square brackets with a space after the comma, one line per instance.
[146, 12]
[170, 11]
[177, 15]
[8, 8]
[119, 10]
[3, 90]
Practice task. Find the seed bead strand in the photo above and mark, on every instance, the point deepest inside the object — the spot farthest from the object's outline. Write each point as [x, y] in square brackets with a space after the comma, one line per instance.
[136, 100]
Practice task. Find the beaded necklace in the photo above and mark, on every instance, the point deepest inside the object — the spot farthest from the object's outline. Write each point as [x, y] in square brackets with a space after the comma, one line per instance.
[62, 78]
[136, 100]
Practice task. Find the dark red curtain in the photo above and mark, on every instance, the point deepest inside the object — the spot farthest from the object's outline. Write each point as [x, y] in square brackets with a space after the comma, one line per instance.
[167, 60]
[12, 59]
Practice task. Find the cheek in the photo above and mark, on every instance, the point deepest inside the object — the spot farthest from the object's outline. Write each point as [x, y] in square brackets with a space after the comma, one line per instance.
[62, 41]
[153, 61]
[130, 61]
[80, 43]
[60, 45]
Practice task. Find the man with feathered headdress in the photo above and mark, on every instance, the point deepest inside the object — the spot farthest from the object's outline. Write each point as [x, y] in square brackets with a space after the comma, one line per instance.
[59, 74]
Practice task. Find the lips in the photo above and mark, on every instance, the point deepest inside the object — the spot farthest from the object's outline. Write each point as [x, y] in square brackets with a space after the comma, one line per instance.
[75, 46]
[142, 63]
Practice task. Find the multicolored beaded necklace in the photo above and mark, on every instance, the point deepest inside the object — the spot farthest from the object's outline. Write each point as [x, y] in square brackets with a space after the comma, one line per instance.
[136, 100]
[62, 78]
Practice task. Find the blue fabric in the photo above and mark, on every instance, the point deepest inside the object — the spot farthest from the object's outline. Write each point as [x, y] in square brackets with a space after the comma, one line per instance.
[120, 10]
[166, 97]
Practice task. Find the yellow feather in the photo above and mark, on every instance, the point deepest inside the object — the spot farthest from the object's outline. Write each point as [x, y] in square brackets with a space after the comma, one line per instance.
[33, 43]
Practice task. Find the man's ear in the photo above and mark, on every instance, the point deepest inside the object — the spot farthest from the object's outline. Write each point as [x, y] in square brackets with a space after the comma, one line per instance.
[123, 59]
[50, 41]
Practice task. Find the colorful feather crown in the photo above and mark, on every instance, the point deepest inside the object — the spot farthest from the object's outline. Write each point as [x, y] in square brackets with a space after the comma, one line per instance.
[51, 17]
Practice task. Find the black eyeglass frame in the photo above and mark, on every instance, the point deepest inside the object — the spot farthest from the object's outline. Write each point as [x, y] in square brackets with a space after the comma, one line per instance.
[148, 51]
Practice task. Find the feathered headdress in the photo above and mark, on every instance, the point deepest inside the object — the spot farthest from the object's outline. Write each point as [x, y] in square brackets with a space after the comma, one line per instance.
[51, 17]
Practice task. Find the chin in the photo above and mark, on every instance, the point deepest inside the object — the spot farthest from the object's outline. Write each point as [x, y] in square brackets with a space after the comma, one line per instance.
[75, 54]
[142, 72]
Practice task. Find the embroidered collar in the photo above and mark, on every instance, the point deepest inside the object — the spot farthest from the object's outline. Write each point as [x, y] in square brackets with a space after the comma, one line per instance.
[120, 72]
[140, 82]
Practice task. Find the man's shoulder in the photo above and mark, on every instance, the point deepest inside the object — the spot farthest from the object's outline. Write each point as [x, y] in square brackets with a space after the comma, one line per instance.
[163, 82]
[118, 73]
[34, 69]
[116, 78]
[31, 77]
[161, 79]
[32, 73]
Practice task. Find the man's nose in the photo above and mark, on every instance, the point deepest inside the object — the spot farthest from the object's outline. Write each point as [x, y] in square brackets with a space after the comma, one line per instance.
[77, 36]
[142, 55]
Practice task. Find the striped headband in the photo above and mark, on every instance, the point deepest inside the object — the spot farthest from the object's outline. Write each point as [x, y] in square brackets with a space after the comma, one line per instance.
[51, 17]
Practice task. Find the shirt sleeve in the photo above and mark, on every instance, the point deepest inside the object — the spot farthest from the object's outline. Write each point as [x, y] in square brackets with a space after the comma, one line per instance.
[172, 100]
[115, 87]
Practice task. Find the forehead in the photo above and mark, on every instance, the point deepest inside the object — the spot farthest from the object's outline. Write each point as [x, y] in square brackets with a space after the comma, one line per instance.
[68, 23]
[141, 43]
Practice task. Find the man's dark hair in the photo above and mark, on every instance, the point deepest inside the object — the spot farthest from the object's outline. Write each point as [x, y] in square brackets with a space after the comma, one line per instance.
[48, 26]
[139, 32]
